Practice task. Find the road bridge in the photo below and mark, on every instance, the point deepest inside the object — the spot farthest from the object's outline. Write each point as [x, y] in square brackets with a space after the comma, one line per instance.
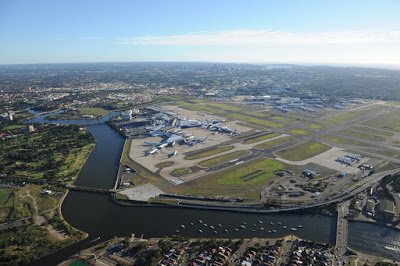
[91, 189]
[342, 233]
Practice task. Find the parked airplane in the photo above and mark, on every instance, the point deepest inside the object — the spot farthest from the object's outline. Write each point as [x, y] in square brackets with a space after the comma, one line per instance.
[153, 151]
[162, 145]
[172, 154]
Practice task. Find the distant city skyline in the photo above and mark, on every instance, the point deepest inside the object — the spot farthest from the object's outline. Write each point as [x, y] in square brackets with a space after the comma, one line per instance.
[339, 32]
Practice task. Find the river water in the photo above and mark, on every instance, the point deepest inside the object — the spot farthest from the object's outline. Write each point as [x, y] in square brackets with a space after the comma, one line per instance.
[99, 216]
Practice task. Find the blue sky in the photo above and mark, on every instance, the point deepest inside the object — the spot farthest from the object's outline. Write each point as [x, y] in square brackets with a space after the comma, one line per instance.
[283, 31]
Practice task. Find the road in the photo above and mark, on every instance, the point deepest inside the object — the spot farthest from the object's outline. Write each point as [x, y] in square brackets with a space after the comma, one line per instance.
[341, 234]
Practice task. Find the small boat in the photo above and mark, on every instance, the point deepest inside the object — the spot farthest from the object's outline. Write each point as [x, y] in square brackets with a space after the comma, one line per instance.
[284, 226]
[269, 231]
[254, 225]
[211, 227]
[182, 226]
[273, 231]
[243, 227]
[177, 231]
[200, 231]
[215, 232]
[279, 223]
[205, 225]
[236, 229]
[244, 223]
[262, 228]
[300, 226]
[226, 231]
[271, 223]
[260, 221]
[191, 223]
[200, 221]
[94, 240]
[293, 229]
[253, 230]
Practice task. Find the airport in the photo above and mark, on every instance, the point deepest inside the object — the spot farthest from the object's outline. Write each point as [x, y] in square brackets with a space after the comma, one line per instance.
[208, 151]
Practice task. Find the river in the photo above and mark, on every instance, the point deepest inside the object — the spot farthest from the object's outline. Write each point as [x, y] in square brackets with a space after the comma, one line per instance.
[99, 216]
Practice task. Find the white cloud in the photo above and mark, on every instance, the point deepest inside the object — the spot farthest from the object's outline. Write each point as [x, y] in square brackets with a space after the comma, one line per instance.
[245, 37]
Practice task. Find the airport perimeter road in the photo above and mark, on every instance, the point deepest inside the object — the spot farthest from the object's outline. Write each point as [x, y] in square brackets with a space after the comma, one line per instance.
[341, 233]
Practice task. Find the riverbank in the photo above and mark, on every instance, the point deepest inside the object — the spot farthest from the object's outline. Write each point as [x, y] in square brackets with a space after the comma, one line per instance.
[379, 223]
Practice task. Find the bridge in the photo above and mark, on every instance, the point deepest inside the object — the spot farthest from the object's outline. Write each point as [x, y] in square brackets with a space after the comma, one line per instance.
[341, 233]
[91, 189]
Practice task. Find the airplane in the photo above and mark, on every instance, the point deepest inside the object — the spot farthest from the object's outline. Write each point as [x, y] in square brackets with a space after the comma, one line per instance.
[154, 151]
[151, 143]
[162, 145]
[172, 154]
[171, 144]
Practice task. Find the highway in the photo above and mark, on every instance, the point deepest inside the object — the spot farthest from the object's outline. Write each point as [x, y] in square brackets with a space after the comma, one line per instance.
[356, 189]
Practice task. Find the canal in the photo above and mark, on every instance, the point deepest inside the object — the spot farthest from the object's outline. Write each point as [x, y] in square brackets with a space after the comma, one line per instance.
[100, 217]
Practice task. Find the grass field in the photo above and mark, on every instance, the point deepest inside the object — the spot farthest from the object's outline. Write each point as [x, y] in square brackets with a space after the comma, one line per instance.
[74, 162]
[299, 131]
[208, 152]
[388, 153]
[257, 121]
[373, 130]
[26, 197]
[273, 143]
[141, 175]
[180, 171]
[342, 140]
[303, 151]
[6, 203]
[13, 127]
[234, 111]
[5, 194]
[314, 126]
[261, 138]
[222, 159]
[361, 135]
[346, 116]
[227, 107]
[199, 107]
[282, 118]
[93, 111]
[388, 121]
[164, 164]
[243, 180]
[252, 173]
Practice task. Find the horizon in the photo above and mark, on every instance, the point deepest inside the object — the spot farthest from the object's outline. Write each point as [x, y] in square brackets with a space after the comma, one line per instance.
[362, 33]
[338, 65]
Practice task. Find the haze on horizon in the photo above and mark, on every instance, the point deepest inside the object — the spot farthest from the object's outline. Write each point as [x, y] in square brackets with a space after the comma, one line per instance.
[313, 32]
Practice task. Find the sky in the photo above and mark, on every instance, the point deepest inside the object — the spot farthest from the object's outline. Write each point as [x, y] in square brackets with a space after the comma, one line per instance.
[261, 31]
